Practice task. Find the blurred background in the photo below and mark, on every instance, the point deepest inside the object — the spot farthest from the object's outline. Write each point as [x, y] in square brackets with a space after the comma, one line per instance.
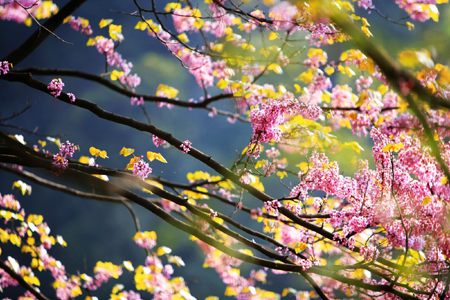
[97, 231]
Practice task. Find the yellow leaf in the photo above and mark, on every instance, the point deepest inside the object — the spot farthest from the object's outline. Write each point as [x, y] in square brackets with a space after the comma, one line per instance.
[105, 22]
[366, 30]
[276, 68]
[354, 145]
[300, 247]
[90, 42]
[115, 32]
[217, 48]
[116, 74]
[143, 25]
[212, 298]
[230, 291]
[24, 188]
[184, 38]
[383, 89]
[246, 251]
[126, 151]
[128, 265]
[303, 166]
[163, 250]
[273, 35]
[426, 200]
[35, 219]
[222, 83]
[84, 160]
[96, 152]
[410, 25]
[444, 180]
[259, 164]
[172, 6]
[133, 160]
[102, 177]
[329, 70]
[281, 174]
[152, 156]
[28, 22]
[167, 91]
[432, 10]
[307, 76]
[393, 147]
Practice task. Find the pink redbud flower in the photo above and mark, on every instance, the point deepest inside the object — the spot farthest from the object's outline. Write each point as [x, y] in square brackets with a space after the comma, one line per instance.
[55, 87]
[60, 162]
[71, 97]
[141, 169]
[4, 68]
[186, 146]
[158, 141]
[135, 100]
[212, 213]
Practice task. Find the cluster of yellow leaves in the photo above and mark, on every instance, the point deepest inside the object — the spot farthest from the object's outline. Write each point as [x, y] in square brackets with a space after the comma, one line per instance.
[108, 268]
[195, 195]
[22, 186]
[96, 152]
[412, 59]
[393, 147]
[300, 295]
[153, 155]
[149, 25]
[167, 91]
[254, 291]
[43, 11]
[305, 133]
[84, 22]
[366, 63]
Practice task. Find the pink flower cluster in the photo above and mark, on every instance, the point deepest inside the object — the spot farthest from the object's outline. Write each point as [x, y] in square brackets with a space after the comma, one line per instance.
[80, 23]
[102, 275]
[272, 206]
[137, 101]
[158, 141]
[145, 242]
[141, 169]
[55, 86]
[284, 15]
[113, 58]
[8, 201]
[71, 97]
[369, 252]
[4, 68]
[12, 11]
[186, 146]
[60, 161]
[265, 119]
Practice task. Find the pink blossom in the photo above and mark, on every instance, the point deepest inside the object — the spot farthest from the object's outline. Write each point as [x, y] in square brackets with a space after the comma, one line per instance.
[8, 201]
[141, 169]
[284, 15]
[186, 146]
[71, 97]
[55, 86]
[137, 101]
[4, 68]
[80, 23]
[60, 161]
[158, 141]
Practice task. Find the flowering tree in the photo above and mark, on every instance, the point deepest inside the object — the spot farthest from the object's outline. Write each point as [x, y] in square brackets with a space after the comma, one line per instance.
[378, 231]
